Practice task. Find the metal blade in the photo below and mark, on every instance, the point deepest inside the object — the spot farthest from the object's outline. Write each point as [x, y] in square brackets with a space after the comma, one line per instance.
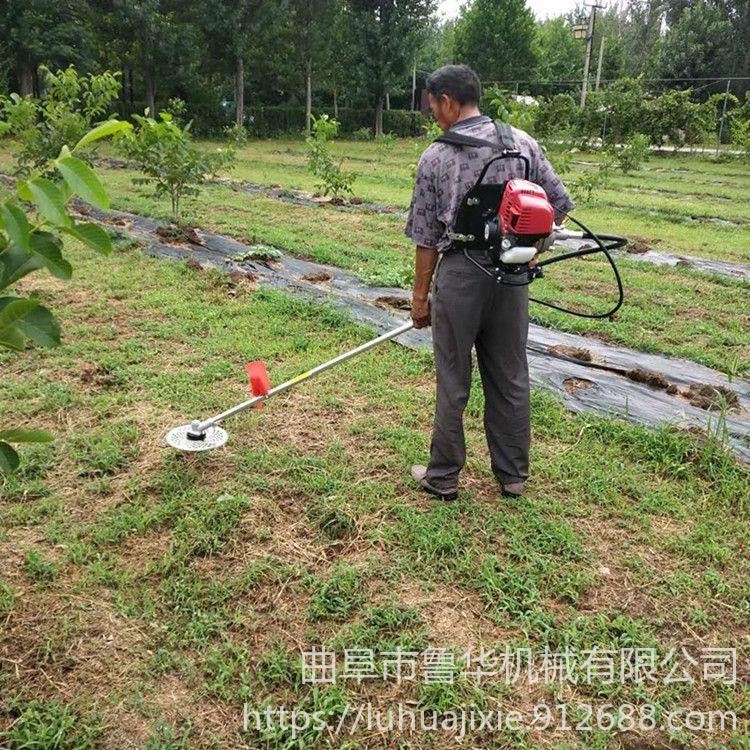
[213, 437]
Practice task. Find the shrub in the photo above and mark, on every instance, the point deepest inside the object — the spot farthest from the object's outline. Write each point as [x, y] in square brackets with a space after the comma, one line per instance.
[512, 109]
[163, 151]
[557, 115]
[632, 153]
[333, 179]
[362, 134]
[741, 136]
[674, 116]
[177, 108]
[385, 144]
[237, 135]
[69, 108]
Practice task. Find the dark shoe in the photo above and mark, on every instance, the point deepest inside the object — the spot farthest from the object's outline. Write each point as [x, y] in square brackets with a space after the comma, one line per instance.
[515, 489]
[419, 473]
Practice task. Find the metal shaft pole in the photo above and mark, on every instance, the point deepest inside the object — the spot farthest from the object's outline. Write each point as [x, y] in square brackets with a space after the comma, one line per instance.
[723, 115]
[199, 427]
[587, 63]
[599, 66]
[414, 84]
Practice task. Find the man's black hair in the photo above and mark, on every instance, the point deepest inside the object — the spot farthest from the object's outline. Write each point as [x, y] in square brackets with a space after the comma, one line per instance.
[459, 82]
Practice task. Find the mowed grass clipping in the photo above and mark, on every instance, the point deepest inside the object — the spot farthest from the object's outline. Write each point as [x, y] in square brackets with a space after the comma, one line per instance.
[147, 595]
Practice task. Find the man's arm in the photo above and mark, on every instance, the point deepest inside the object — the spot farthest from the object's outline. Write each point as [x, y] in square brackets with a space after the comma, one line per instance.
[546, 176]
[424, 267]
[424, 228]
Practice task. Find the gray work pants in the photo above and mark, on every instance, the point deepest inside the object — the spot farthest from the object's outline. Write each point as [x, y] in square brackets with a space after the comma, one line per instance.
[470, 309]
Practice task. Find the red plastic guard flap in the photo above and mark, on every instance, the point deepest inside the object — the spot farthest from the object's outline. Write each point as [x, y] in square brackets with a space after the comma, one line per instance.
[260, 383]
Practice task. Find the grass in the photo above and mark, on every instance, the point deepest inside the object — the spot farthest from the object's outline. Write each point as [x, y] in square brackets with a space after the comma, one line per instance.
[145, 596]
[202, 577]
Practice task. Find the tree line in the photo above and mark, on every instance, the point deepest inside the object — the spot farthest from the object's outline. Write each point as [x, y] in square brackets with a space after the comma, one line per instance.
[367, 54]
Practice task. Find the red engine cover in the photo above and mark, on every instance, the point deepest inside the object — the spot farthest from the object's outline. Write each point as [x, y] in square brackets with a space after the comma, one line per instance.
[525, 210]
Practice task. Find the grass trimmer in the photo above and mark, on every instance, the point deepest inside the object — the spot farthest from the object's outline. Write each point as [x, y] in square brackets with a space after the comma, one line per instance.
[511, 230]
[206, 435]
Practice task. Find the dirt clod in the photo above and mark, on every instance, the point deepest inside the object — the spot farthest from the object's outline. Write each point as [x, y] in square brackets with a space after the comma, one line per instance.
[176, 235]
[573, 385]
[397, 303]
[575, 352]
[317, 277]
[193, 264]
[638, 246]
[711, 397]
[93, 374]
[649, 377]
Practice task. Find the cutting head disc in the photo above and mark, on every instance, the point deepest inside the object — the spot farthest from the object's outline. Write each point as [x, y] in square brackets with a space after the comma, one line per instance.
[177, 437]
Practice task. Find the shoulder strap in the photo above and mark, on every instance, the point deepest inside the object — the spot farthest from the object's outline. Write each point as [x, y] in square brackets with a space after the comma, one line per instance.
[504, 137]
[459, 139]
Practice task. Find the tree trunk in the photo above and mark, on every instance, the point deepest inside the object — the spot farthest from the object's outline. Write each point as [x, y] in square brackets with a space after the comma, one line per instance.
[130, 90]
[150, 94]
[26, 78]
[335, 103]
[239, 92]
[379, 116]
[308, 99]
[388, 100]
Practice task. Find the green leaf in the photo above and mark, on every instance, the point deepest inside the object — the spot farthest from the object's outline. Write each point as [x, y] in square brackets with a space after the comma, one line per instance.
[12, 338]
[93, 236]
[110, 127]
[22, 189]
[15, 264]
[12, 311]
[27, 317]
[16, 225]
[82, 179]
[50, 201]
[8, 459]
[49, 247]
[21, 435]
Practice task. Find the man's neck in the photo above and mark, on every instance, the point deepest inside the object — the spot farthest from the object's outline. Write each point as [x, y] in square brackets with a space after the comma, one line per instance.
[468, 112]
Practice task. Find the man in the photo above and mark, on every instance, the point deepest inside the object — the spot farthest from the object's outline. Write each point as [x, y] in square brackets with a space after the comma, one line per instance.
[467, 307]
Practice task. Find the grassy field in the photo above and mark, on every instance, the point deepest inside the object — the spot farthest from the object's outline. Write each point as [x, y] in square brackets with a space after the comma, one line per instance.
[146, 596]
[673, 311]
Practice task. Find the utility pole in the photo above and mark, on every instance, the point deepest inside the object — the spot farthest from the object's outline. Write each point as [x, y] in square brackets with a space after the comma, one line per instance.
[414, 84]
[589, 45]
[723, 115]
[599, 66]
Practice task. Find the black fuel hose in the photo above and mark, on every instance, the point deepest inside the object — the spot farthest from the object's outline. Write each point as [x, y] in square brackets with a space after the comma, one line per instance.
[613, 243]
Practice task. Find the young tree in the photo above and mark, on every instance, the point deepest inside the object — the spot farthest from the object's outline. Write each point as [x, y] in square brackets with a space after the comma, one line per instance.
[71, 105]
[495, 38]
[165, 155]
[387, 34]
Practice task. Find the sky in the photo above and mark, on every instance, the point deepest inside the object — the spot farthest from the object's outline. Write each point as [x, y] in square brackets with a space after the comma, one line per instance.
[542, 8]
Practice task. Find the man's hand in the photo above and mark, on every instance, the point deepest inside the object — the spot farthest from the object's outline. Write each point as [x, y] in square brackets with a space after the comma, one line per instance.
[424, 266]
[420, 311]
